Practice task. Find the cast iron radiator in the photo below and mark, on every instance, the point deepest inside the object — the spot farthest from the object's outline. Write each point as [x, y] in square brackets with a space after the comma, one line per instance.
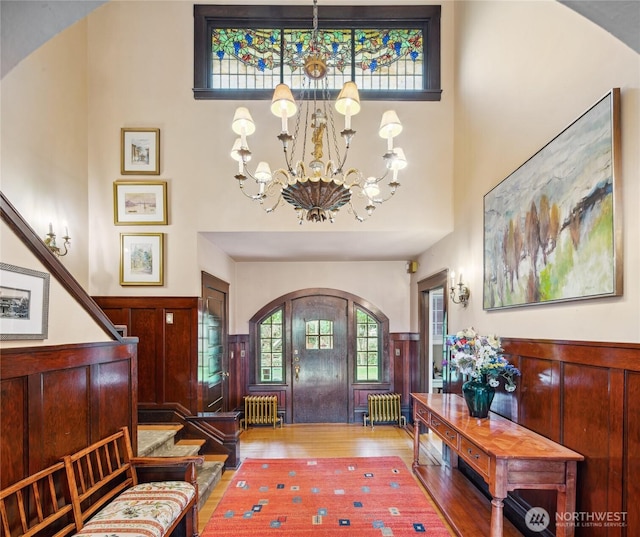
[384, 407]
[261, 410]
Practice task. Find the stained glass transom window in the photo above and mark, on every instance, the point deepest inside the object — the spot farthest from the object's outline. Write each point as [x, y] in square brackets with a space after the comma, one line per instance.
[260, 58]
[319, 334]
[243, 52]
[367, 347]
[271, 348]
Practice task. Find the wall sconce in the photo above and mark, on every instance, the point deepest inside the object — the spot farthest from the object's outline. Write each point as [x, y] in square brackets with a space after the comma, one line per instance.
[50, 241]
[459, 292]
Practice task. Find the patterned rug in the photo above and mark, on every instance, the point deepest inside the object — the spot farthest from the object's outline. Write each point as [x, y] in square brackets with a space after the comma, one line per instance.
[361, 497]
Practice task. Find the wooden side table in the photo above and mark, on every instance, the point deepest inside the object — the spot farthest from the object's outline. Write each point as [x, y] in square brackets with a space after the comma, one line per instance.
[506, 455]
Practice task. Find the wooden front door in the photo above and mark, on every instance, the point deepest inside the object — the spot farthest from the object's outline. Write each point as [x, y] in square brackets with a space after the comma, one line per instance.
[319, 360]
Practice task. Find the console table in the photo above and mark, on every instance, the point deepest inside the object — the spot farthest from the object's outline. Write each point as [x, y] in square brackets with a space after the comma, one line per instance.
[506, 455]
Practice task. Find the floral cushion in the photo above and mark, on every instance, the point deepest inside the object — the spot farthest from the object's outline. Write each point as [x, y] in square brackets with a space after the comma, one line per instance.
[146, 510]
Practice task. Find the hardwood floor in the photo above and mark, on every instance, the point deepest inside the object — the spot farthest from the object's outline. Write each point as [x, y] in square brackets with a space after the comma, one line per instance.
[323, 440]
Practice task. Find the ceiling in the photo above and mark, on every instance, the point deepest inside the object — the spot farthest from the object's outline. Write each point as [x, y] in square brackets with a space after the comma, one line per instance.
[320, 245]
[19, 19]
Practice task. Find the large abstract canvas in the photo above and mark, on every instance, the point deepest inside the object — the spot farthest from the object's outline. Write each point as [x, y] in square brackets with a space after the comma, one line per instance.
[552, 228]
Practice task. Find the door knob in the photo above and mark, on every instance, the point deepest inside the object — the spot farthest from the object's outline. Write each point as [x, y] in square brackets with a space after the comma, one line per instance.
[297, 370]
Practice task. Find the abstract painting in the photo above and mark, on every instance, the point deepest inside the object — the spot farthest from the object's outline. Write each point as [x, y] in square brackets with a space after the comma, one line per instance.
[552, 229]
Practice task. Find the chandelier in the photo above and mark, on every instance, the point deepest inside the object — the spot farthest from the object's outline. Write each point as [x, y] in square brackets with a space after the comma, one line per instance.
[318, 189]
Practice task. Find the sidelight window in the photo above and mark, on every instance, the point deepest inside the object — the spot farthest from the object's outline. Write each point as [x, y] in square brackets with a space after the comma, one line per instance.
[271, 348]
[368, 347]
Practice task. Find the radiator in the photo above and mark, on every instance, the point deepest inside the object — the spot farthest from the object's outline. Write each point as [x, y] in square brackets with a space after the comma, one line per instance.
[384, 407]
[261, 410]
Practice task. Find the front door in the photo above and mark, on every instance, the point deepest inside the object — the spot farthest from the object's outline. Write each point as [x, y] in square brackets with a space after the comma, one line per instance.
[319, 360]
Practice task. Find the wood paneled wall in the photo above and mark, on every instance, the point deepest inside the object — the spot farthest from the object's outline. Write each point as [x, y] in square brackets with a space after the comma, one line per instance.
[586, 396]
[60, 399]
[167, 351]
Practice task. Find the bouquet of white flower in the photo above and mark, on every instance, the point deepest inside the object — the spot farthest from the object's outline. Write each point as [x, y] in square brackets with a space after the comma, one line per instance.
[481, 357]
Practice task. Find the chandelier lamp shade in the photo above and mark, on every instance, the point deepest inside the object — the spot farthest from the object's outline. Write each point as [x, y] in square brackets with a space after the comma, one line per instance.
[321, 185]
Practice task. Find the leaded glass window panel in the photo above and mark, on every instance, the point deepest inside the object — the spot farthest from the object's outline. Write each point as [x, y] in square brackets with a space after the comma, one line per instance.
[319, 334]
[271, 348]
[368, 359]
[386, 50]
[251, 58]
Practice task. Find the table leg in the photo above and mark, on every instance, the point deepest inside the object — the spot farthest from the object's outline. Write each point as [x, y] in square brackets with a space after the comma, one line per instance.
[496, 517]
[566, 502]
[416, 443]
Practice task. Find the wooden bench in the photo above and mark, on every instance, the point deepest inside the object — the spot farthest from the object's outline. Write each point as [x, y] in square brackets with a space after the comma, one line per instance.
[103, 489]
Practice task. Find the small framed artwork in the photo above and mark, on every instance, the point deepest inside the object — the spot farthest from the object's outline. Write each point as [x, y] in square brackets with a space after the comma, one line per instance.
[140, 151]
[24, 303]
[141, 259]
[140, 202]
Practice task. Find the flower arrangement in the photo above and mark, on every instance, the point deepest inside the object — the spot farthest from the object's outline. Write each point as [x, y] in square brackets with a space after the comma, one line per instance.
[480, 357]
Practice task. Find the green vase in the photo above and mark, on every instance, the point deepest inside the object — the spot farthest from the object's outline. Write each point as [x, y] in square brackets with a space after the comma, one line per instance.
[479, 396]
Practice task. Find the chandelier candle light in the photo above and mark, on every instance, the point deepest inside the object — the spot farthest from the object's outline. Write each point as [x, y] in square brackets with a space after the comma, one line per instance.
[317, 190]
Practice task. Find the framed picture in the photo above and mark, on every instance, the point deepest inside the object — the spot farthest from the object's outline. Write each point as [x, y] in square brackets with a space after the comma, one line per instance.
[140, 202]
[140, 151]
[141, 259]
[24, 303]
[553, 229]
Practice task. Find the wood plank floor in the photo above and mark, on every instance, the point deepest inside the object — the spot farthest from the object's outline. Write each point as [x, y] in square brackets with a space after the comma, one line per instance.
[323, 440]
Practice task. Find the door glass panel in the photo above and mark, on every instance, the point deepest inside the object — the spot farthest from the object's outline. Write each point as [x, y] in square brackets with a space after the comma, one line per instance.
[319, 335]
[212, 353]
[436, 338]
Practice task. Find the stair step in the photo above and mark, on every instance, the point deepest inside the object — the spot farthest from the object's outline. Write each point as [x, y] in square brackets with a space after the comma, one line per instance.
[209, 475]
[158, 440]
[191, 442]
[151, 439]
[176, 450]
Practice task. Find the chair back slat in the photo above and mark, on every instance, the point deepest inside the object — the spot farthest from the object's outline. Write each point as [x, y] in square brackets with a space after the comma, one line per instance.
[38, 505]
[99, 473]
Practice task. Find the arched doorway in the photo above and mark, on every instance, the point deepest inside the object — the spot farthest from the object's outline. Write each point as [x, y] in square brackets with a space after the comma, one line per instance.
[321, 351]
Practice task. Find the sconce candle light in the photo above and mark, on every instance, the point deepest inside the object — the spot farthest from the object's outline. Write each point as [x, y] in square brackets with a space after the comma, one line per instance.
[50, 241]
[459, 292]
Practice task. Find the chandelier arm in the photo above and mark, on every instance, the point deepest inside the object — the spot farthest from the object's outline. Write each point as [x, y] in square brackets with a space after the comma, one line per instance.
[248, 174]
[275, 205]
[351, 209]
[387, 198]
[254, 197]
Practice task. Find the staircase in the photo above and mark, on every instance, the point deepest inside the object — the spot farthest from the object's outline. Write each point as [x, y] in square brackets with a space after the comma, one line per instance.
[159, 440]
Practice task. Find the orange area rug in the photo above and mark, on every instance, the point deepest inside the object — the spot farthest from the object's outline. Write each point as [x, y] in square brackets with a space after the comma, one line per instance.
[362, 497]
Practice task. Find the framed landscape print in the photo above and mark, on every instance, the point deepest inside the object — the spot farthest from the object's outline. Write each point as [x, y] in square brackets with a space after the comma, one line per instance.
[140, 202]
[552, 229]
[141, 259]
[24, 303]
[140, 151]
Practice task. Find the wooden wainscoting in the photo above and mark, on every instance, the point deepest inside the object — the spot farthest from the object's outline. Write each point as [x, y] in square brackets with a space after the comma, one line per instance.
[586, 396]
[60, 399]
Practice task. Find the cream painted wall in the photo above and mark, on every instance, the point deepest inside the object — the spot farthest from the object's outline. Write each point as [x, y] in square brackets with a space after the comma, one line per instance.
[68, 321]
[141, 74]
[384, 284]
[517, 87]
[44, 171]
[130, 64]
[44, 144]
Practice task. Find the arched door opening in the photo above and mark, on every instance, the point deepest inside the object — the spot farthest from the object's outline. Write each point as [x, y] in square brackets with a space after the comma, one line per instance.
[320, 351]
